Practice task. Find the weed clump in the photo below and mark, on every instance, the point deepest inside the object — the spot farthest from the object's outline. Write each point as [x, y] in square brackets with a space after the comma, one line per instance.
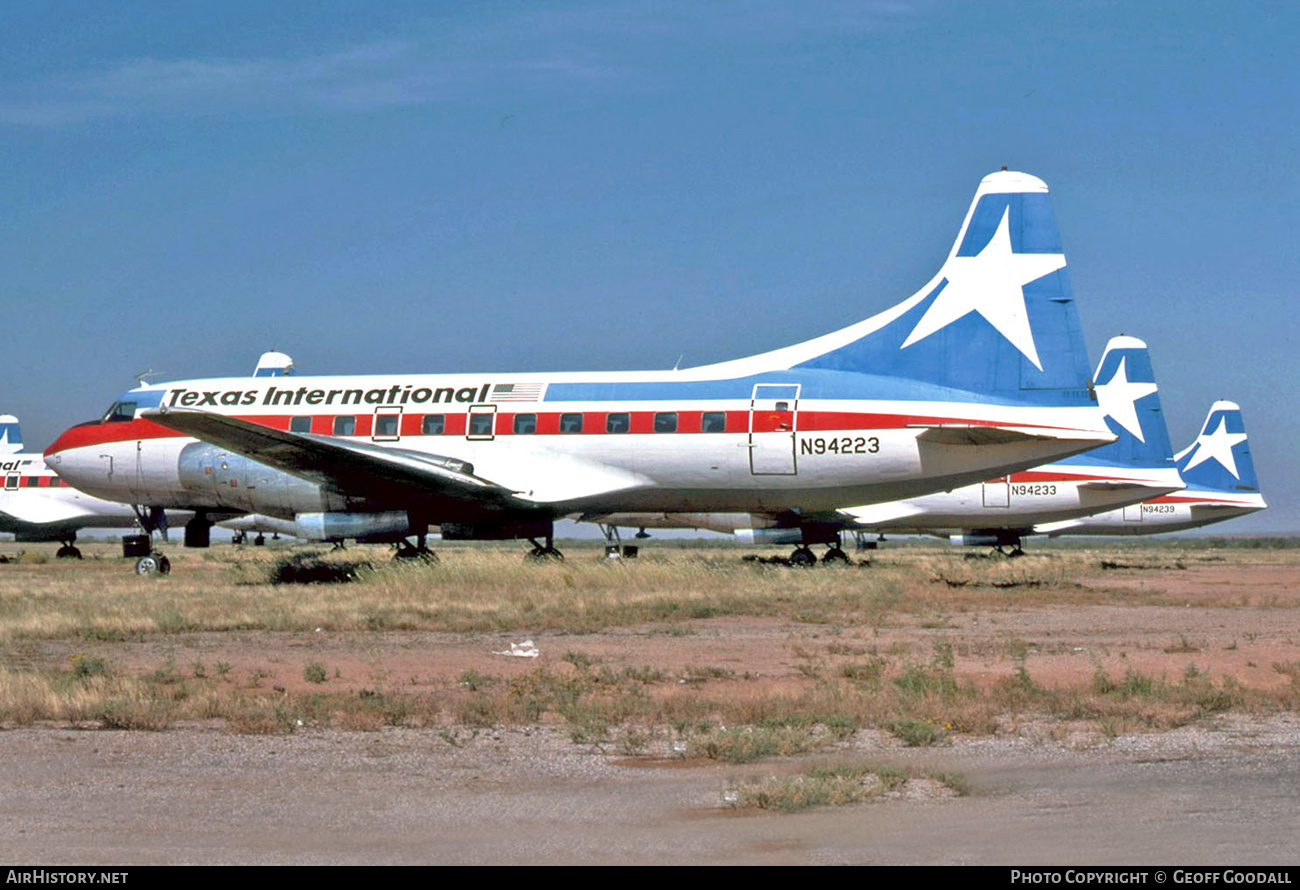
[304, 568]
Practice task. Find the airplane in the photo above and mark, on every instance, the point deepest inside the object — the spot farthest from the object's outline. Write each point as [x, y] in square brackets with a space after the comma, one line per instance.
[1220, 480]
[37, 505]
[11, 437]
[982, 372]
[997, 512]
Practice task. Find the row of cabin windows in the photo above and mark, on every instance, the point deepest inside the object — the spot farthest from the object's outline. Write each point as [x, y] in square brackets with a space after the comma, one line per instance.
[14, 481]
[524, 424]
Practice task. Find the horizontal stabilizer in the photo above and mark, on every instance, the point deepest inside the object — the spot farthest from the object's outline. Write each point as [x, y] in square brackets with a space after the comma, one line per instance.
[978, 434]
[1057, 528]
[874, 514]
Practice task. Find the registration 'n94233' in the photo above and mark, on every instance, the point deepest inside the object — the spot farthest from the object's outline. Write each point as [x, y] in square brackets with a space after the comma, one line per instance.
[1039, 489]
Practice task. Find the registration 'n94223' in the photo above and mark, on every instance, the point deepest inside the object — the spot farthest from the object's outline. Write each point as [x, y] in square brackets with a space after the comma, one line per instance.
[839, 445]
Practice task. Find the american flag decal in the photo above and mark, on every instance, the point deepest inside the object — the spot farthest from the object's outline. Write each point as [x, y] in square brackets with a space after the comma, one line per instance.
[516, 392]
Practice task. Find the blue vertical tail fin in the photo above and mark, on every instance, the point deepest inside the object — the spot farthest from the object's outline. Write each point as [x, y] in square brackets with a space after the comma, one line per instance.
[998, 320]
[11, 437]
[1128, 396]
[1220, 458]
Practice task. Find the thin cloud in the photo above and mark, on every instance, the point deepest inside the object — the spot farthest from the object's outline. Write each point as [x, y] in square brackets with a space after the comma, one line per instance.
[592, 44]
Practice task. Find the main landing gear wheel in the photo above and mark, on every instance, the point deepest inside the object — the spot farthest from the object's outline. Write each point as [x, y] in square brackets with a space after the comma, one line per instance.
[407, 551]
[153, 564]
[835, 556]
[542, 554]
[803, 557]
[260, 540]
[67, 551]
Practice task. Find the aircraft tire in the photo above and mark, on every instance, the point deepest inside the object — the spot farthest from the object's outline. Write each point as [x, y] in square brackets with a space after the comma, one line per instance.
[835, 556]
[67, 552]
[803, 558]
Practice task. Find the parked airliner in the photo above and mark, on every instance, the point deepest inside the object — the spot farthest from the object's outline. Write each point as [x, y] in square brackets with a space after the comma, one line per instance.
[982, 372]
[1220, 480]
[997, 512]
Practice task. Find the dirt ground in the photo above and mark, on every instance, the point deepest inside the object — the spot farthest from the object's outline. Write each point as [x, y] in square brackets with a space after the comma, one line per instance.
[1219, 792]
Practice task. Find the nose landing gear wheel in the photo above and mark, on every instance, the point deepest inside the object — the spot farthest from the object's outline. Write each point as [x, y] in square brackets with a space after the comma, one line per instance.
[153, 564]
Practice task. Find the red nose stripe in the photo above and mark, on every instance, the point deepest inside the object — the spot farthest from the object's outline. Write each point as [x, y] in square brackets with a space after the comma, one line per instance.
[89, 434]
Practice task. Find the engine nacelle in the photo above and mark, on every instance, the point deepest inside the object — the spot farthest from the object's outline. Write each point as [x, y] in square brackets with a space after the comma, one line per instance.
[985, 540]
[755, 536]
[232, 481]
[390, 525]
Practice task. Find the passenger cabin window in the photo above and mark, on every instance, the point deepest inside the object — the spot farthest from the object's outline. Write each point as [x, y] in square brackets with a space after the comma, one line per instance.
[525, 424]
[11, 483]
[666, 422]
[618, 423]
[714, 422]
[120, 412]
[345, 426]
[386, 425]
[570, 423]
[480, 424]
[434, 424]
[300, 424]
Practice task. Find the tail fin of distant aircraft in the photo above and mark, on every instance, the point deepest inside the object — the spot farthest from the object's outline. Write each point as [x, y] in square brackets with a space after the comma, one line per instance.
[11, 438]
[1127, 393]
[1220, 457]
[999, 319]
[273, 364]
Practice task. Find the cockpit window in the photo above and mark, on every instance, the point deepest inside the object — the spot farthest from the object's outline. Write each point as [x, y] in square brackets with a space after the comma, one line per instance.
[120, 412]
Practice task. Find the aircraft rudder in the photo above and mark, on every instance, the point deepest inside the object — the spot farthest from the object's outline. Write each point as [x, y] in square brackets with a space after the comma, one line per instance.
[1220, 457]
[1129, 397]
[998, 320]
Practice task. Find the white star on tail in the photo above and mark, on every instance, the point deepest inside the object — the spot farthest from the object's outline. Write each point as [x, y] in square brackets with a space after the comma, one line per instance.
[1218, 445]
[1118, 399]
[991, 283]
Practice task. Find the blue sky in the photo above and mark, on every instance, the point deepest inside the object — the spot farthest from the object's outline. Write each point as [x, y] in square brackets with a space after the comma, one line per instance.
[556, 186]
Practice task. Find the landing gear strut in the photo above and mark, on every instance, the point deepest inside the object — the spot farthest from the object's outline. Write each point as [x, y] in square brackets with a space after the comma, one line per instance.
[419, 550]
[542, 551]
[153, 519]
[614, 546]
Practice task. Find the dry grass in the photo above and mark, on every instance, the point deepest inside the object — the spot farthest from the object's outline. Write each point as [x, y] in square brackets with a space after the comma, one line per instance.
[837, 786]
[915, 688]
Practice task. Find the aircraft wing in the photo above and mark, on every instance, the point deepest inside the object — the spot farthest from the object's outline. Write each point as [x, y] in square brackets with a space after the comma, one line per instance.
[38, 510]
[357, 469]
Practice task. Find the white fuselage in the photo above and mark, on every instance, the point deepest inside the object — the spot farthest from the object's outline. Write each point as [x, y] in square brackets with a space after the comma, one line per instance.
[647, 440]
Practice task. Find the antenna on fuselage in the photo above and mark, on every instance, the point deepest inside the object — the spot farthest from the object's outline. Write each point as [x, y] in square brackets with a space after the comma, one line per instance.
[144, 375]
